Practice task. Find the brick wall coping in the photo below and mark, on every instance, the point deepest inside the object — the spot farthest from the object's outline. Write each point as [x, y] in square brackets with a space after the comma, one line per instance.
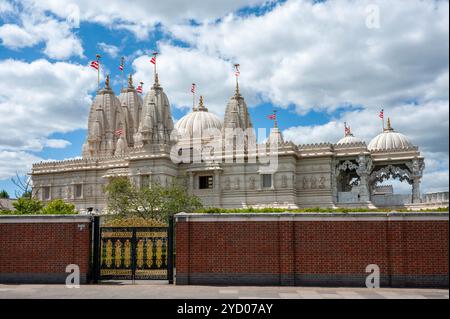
[24, 219]
[287, 216]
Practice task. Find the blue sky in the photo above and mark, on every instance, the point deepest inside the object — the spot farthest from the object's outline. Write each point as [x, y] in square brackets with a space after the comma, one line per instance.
[318, 63]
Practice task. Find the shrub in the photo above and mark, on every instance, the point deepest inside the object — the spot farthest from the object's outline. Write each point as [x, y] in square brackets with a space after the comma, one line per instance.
[59, 207]
[26, 206]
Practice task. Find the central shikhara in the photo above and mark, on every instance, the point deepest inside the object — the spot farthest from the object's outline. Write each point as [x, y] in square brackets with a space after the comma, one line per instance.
[134, 137]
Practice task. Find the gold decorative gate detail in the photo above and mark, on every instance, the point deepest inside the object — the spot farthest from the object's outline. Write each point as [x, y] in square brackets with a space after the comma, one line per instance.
[133, 253]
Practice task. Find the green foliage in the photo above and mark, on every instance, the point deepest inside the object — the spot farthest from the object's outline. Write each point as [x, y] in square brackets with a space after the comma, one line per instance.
[26, 206]
[59, 207]
[4, 194]
[121, 196]
[155, 202]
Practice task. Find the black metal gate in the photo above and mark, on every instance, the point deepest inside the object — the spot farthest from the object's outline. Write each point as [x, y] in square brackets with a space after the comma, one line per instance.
[134, 253]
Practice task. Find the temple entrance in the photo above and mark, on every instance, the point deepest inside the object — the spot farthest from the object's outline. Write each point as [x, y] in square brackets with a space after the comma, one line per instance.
[133, 253]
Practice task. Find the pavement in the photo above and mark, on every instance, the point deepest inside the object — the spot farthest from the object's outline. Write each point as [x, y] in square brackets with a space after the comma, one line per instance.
[162, 290]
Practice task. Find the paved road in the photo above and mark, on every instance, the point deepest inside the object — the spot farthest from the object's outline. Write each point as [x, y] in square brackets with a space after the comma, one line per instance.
[161, 290]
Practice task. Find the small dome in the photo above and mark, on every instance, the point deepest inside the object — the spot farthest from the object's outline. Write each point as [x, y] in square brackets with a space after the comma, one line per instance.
[198, 122]
[349, 139]
[389, 140]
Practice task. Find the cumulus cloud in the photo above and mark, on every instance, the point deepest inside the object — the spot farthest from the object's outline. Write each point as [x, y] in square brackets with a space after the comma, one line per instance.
[321, 55]
[41, 98]
[141, 16]
[15, 162]
[109, 49]
[34, 27]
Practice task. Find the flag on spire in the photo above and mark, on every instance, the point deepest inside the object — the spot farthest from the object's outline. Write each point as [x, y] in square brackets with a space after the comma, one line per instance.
[193, 88]
[122, 60]
[272, 116]
[153, 59]
[94, 64]
[346, 129]
[237, 72]
[381, 115]
[139, 88]
[119, 132]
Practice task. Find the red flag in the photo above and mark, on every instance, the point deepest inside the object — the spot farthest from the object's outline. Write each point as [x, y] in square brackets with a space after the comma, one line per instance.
[381, 115]
[272, 116]
[193, 88]
[119, 132]
[94, 64]
[346, 129]
[122, 62]
[237, 73]
[139, 88]
[153, 59]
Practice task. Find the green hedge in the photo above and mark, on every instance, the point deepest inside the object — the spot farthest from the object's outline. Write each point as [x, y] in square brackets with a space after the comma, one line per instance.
[216, 210]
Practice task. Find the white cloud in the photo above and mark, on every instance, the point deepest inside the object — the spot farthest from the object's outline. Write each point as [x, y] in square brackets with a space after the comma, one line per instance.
[12, 162]
[36, 100]
[321, 55]
[141, 16]
[109, 49]
[34, 27]
[15, 37]
[40, 98]
[57, 143]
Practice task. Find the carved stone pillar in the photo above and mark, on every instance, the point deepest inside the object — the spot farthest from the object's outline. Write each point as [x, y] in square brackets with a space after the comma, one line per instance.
[416, 167]
[363, 171]
[416, 190]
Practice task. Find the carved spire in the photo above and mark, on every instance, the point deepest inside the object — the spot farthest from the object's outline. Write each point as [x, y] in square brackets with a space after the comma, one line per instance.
[107, 87]
[130, 82]
[201, 107]
[389, 127]
[237, 73]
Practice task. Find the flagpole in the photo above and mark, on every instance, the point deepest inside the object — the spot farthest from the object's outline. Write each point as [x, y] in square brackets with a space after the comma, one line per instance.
[98, 71]
[382, 119]
[275, 123]
[122, 62]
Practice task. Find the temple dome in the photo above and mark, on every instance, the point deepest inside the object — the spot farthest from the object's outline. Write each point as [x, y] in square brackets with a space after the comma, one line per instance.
[349, 139]
[389, 140]
[198, 123]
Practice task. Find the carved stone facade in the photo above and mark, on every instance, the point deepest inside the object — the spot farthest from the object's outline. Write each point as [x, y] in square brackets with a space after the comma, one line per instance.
[133, 137]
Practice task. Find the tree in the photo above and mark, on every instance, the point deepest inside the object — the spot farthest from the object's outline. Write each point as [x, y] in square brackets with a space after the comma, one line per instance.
[4, 194]
[121, 196]
[23, 183]
[27, 206]
[176, 200]
[59, 207]
[155, 202]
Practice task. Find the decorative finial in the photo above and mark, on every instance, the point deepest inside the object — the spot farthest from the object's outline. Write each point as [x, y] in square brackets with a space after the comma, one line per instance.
[389, 127]
[107, 82]
[130, 81]
[236, 74]
[156, 80]
[200, 103]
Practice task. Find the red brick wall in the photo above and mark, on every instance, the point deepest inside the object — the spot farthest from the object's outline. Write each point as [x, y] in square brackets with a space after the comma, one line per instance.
[302, 252]
[40, 252]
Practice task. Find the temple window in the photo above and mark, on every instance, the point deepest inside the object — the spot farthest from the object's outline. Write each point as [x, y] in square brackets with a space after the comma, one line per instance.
[78, 190]
[266, 180]
[205, 182]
